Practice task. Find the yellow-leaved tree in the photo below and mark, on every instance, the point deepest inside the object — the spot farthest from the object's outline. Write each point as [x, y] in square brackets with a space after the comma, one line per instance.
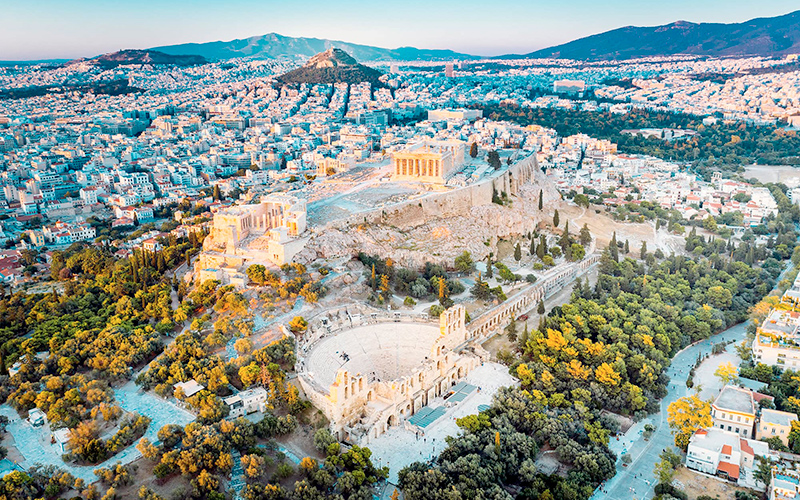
[605, 374]
[685, 416]
[727, 373]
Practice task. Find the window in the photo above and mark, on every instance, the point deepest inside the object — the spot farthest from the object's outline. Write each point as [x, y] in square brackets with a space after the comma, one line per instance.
[738, 418]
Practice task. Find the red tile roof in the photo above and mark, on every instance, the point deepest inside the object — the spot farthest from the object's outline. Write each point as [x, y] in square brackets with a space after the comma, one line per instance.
[726, 449]
[746, 447]
[730, 469]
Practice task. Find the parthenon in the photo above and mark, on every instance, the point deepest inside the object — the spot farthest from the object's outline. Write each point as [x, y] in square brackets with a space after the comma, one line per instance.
[429, 161]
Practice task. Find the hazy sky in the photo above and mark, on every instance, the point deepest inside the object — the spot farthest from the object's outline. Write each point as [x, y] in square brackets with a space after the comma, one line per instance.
[40, 29]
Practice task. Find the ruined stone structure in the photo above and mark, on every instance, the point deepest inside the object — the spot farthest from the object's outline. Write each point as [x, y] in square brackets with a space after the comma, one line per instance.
[382, 374]
[429, 161]
[461, 200]
[528, 298]
[271, 231]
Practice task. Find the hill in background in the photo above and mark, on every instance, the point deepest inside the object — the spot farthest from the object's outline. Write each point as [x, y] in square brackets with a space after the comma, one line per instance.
[275, 46]
[135, 56]
[770, 36]
[332, 66]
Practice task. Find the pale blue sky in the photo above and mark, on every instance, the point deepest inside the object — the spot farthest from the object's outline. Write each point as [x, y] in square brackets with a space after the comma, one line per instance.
[39, 29]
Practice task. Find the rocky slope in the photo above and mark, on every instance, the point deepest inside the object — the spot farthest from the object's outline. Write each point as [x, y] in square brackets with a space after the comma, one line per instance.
[439, 239]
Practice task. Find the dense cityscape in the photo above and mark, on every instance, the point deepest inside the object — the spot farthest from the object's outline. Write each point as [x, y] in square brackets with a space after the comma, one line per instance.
[418, 275]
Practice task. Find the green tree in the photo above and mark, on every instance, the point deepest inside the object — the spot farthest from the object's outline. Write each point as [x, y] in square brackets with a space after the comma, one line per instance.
[493, 158]
[473, 150]
[464, 263]
[613, 248]
[517, 252]
[586, 235]
[555, 218]
[541, 199]
[577, 252]
[540, 309]
[643, 250]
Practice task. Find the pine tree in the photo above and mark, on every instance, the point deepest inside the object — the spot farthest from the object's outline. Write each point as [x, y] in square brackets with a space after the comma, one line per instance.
[442, 295]
[541, 201]
[134, 269]
[643, 251]
[517, 252]
[489, 272]
[216, 193]
[374, 283]
[533, 246]
[540, 309]
[555, 219]
[627, 247]
[135, 219]
[473, 150]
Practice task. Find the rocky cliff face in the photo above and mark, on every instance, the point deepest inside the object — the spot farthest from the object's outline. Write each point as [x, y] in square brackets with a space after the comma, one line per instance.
[439, 238]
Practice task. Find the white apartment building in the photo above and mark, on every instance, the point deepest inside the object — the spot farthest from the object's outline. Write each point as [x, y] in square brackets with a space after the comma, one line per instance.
[777, 341]
[722, 453]
[784, 485]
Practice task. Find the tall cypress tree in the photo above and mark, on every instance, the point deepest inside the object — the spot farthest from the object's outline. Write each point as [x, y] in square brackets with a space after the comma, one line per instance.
[612, 246]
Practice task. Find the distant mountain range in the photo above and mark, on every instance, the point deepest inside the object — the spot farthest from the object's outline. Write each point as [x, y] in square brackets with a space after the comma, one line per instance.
[135, 56]
[768, 36]
[332, 66]
[275, 46]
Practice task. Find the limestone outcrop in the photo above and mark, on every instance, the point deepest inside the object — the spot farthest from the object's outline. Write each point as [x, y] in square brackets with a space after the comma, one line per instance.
[439, 227]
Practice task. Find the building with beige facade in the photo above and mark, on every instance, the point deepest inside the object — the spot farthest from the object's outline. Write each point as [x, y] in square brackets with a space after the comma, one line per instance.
[735, 410]
[774, 423]
[269, 232]
[368, 378]
[430, 161]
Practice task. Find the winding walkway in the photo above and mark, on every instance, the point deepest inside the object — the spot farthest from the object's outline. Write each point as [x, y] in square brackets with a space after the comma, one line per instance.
[637, 481]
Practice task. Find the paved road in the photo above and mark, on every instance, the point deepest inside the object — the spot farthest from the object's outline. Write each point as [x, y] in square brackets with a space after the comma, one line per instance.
[637, 481]
[626, 485]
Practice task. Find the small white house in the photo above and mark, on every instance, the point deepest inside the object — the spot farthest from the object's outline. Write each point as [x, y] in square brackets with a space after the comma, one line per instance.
[61, 438]
[189, 388]
[36, 417]
[247, 402]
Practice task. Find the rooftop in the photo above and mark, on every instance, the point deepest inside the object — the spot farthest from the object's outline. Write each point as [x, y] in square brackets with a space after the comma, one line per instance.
[777, 417]
[735, 399]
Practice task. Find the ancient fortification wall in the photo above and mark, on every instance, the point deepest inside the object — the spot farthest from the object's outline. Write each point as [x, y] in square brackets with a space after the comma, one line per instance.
[456, 202]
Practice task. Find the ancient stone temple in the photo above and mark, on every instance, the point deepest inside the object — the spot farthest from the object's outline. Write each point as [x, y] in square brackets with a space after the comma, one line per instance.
[269, 232]
[429, 161]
